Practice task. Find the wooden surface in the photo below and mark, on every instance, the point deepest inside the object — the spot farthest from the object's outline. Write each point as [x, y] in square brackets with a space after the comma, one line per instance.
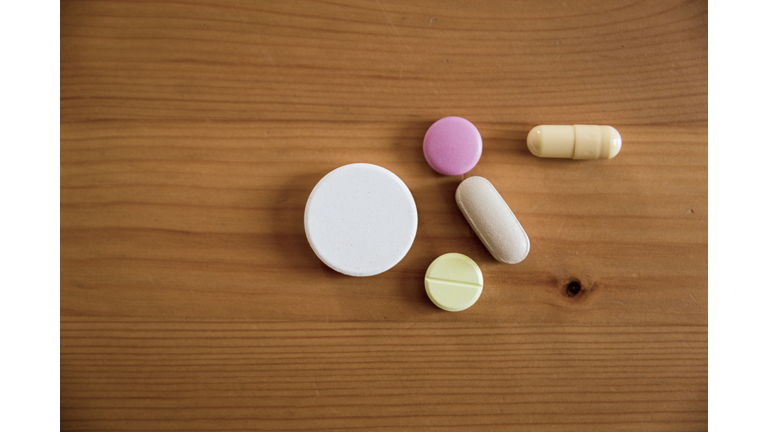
[193, 132]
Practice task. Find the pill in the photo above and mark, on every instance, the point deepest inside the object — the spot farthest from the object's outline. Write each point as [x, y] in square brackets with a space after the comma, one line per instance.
[454, 282]
[574, 142]
[492, 220]
[360, 219]
[452, 146]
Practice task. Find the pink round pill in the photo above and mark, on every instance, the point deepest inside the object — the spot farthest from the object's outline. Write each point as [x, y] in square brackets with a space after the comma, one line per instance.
[452, 146]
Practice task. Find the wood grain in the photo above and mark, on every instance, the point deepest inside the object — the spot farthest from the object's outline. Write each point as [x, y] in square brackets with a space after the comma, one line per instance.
[193, 132]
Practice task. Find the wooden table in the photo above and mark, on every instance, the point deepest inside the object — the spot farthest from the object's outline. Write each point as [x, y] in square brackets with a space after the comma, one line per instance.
[193, 132]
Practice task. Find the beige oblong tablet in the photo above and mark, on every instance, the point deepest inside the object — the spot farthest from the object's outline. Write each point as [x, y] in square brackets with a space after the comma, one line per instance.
[492, 220]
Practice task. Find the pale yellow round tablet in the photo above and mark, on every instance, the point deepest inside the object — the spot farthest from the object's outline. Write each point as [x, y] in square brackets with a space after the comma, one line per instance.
[454, 282]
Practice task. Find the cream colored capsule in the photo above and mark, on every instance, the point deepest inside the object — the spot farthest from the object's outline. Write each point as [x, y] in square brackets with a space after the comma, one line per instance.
[492, 220]
[574, 142]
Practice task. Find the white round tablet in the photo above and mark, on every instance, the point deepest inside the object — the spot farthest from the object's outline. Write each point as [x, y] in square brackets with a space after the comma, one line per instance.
[360, 219]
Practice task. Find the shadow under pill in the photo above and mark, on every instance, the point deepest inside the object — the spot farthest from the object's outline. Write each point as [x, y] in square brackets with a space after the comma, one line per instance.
[408, 146]
[287, 237]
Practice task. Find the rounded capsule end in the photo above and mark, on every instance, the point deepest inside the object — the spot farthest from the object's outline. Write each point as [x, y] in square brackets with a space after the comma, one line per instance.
[536, 141]
[614, 141]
